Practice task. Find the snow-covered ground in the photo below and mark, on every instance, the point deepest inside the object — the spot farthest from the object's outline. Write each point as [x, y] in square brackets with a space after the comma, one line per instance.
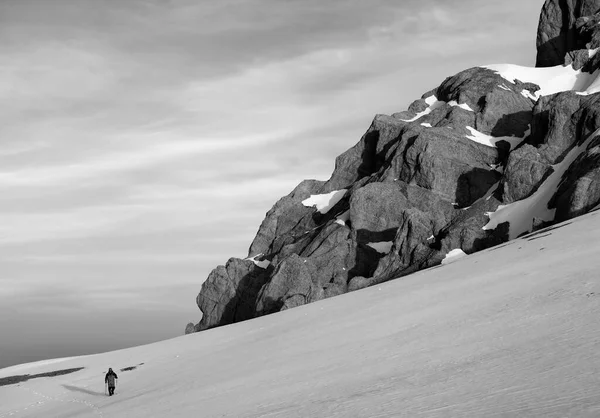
[510, 331]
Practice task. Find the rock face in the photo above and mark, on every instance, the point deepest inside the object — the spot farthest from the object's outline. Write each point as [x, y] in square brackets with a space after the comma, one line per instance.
[563, 29]
[425, 181]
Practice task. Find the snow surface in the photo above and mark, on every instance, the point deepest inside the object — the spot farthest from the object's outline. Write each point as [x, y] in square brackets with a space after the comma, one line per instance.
[324, 202]
[427, 125]
[511, 331]
[551, 79]
[382, 247]
[453, 256]
[491, 141]
[520, 214]
[503, 87]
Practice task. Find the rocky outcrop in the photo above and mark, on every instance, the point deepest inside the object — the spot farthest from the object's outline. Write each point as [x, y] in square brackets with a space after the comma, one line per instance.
[429, 180]
[580, 192]
[190, 328]
[284, 217]
[562, 29]
[229, 293]
[525, 171]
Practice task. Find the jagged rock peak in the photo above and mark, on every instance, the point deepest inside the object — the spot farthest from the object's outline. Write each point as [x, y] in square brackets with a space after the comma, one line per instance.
[564, 27]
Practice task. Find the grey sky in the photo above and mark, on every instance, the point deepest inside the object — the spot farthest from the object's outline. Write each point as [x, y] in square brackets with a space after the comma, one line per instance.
[142, 142]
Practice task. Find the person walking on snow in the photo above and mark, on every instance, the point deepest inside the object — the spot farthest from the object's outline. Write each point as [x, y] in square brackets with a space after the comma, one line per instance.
[110, 380]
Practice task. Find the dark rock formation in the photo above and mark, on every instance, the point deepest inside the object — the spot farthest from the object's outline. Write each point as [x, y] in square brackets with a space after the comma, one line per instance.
[291, 285]
[525, 170]
[422, 182]
[562, 29]
[580, 192]
[190, 328]
[229, 293]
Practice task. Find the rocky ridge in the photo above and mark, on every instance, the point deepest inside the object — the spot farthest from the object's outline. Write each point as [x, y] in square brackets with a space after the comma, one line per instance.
[490, 154]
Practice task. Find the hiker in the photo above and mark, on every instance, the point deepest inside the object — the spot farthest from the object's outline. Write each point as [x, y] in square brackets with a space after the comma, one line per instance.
[110, 379]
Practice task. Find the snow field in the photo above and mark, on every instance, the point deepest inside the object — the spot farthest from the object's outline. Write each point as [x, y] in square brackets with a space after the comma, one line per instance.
[509, 331]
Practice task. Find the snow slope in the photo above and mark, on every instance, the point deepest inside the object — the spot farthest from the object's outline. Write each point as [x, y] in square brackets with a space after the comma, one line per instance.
[509, 331]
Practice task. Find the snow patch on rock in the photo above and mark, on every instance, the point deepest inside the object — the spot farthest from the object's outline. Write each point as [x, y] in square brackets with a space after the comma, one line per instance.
[343, 218]
[262, 264]
[465, 106]
[550, 79]
[383, 247]
[432, 102]
[527, 94]
[491, 141]
[453, 256]
[324, 202]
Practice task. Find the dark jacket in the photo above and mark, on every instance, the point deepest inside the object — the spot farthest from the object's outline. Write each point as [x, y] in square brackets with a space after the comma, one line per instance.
[110, 378]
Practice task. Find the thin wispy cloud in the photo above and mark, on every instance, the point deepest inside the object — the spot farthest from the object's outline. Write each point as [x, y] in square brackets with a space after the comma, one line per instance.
[144, 141]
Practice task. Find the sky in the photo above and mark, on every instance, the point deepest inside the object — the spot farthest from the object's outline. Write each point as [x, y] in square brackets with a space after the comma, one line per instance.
[142, 142]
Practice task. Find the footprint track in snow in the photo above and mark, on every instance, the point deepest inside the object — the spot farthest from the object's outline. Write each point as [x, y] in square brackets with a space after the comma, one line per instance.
[46, 398]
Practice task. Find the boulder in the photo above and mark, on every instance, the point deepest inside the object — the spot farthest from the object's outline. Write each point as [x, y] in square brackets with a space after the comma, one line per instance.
[580, 191]
[229, 293]
[410, 248]
[368, 155]
[497, 111]
[561, 121]
[285, 216]
[190, 328]
[290, 286]
[332, 253]
[525, 171]
[374, 211]
[449, 164]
